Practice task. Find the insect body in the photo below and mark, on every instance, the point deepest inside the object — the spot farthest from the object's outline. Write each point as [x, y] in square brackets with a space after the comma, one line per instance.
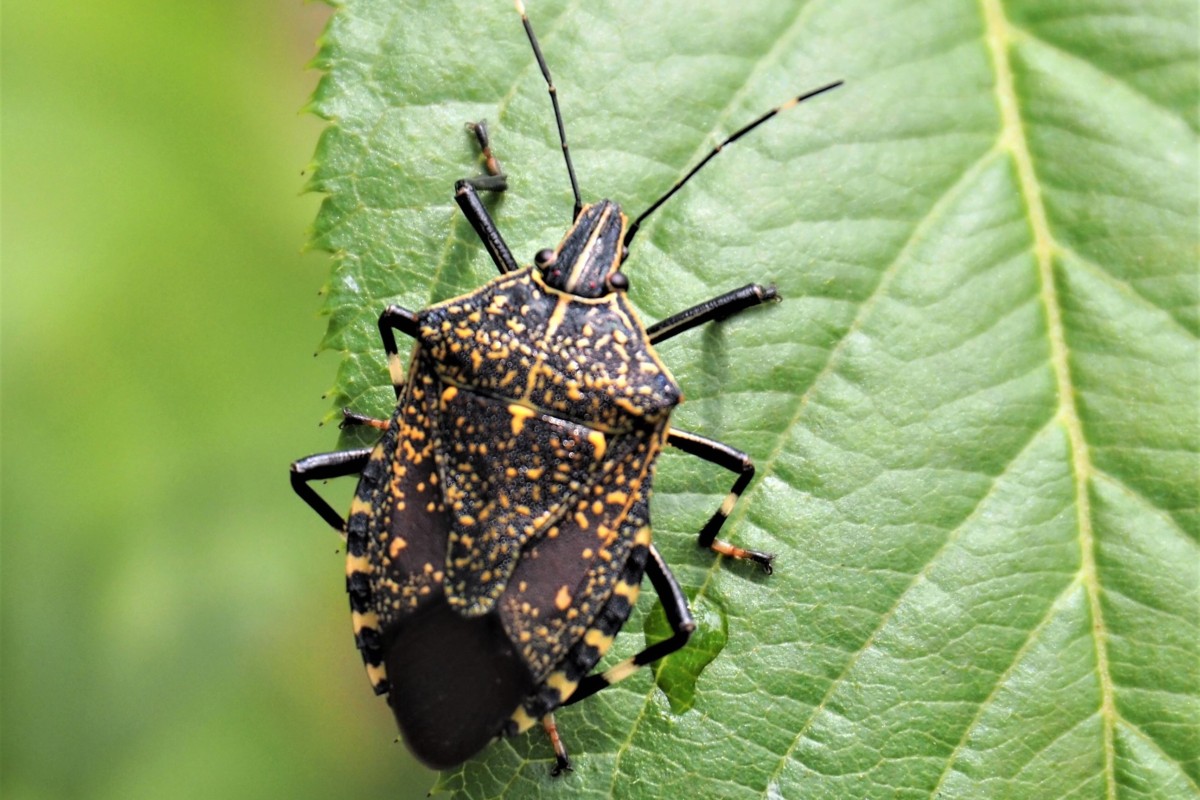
[500, 530]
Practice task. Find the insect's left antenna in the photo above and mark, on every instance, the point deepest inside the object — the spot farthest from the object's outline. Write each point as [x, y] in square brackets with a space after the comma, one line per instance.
[562, 133]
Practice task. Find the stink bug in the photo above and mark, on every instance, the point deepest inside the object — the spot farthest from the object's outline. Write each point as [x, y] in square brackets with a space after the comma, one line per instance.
[501, 528]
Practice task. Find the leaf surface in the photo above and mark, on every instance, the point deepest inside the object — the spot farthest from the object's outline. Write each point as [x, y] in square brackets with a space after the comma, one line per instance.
[974, 416]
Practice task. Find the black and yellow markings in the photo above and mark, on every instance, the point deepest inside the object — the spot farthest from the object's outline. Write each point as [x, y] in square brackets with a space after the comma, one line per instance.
[519, 414]
[735, 461]
[513, 476]
[602, 592]
[562, 684]
[555, 363]
[500, 530]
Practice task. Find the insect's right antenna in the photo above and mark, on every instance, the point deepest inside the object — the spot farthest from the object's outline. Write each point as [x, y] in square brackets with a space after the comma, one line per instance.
[562, 133]
[637, 223]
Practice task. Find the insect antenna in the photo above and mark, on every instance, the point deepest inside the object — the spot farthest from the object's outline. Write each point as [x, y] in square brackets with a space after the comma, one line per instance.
[633, 229]
[562, 132]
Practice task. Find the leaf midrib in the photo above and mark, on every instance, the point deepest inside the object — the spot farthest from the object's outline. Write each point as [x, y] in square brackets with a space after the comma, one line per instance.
[999, 35]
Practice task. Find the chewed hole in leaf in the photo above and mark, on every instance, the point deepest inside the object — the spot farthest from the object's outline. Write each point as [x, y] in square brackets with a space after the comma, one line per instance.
[678, 673]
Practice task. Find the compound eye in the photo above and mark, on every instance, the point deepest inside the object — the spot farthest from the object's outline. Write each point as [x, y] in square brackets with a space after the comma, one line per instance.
[545, 258]
[618, 282]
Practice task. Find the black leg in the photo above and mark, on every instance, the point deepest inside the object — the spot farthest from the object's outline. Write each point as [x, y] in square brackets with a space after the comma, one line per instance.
[561, 762]
[495, 180]
[718, 308]
[321, 467]
[679, 617]
[352, 420]
[476, 214]
[735, 461]
[466, 194]
[395, 318]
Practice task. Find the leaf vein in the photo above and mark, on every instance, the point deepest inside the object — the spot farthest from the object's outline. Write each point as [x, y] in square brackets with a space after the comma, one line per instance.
[1141, 734]
[1051, 611]
[917, 579]
[1123, 285]
[998, 35]
[1032, 37]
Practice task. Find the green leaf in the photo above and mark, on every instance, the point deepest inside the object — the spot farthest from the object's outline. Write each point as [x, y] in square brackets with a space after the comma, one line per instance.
[974, 416]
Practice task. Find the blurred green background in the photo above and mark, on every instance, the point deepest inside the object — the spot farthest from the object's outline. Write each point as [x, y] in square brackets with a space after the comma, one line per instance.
[174, 623]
